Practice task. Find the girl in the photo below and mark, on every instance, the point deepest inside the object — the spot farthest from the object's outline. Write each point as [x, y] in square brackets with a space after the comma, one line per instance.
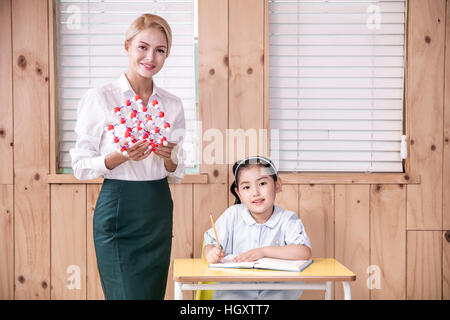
[255, 228]
[133, 214]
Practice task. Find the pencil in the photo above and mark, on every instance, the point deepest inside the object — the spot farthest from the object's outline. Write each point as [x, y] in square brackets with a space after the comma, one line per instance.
[214, 228]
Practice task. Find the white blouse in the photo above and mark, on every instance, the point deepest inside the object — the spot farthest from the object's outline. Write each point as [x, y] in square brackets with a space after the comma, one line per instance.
[93, 143]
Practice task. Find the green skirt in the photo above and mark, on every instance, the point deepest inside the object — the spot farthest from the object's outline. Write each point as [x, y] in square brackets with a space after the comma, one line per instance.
[133, 238]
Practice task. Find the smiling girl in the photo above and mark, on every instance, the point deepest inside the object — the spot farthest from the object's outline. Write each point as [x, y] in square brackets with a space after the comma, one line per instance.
[133, 214]
[255, 227]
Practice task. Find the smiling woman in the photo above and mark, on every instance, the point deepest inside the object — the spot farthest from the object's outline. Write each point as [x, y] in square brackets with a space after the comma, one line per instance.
[133, 214]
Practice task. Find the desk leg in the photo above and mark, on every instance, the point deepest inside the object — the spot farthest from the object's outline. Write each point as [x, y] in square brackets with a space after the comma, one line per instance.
[178, 291]
[328, 289]
[347, 290]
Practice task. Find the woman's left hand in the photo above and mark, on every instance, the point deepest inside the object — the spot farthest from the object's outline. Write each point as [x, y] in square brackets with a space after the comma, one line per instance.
[165, 152]
[251, 255]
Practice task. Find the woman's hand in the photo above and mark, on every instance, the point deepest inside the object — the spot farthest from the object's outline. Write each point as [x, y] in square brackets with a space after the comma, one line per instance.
[251, 255]
[165, 152]
[135, 153]
[213, 254]
[138, 151]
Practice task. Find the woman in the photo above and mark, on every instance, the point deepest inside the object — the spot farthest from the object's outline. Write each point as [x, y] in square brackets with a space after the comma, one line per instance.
[133, 214]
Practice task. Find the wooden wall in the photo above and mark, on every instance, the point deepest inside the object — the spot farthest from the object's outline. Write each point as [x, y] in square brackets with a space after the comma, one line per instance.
[391, 225]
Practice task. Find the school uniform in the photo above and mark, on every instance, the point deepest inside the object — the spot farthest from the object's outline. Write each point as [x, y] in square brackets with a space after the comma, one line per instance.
[238, 232]
[133, 213]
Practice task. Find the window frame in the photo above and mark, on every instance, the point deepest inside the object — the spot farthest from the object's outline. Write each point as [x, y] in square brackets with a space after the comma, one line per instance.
[54, 177]
[406, 177]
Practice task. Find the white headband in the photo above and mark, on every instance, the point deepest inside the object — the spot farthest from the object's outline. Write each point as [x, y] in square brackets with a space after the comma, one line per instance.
[256, 157]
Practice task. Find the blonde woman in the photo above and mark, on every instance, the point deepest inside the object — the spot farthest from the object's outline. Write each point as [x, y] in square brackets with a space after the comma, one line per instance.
[133, 214]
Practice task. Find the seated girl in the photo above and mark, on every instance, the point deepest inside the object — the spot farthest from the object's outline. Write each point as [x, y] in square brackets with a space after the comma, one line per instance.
[254, 227]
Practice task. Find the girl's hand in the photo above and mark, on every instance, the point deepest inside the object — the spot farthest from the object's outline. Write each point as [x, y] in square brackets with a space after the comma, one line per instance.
[214, 255]
[251, 255]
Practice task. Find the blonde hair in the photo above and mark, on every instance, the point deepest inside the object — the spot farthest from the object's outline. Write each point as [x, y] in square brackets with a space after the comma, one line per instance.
[148, 20]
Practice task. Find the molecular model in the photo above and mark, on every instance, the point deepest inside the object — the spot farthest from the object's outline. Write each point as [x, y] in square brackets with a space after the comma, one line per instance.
[135, 122]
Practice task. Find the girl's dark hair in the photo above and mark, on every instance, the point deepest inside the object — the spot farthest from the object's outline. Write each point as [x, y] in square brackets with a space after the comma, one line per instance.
[239, 165]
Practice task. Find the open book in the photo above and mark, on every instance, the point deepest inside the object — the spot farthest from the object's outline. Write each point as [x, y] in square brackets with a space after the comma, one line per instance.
[264, 263]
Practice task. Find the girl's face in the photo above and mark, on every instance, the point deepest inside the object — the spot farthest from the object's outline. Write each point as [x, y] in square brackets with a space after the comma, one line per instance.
[147, 52]
[257, 191]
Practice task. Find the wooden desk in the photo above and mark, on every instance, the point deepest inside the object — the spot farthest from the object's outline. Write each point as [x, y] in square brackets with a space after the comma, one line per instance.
[322, 272]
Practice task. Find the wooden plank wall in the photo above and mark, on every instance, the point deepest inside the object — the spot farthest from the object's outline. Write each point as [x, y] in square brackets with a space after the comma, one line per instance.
[396, 231]
[6, 157]
[425, 92]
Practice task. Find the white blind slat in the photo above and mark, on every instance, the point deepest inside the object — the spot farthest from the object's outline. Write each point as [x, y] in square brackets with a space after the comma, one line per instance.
[370, 135]
[343, 7]
[321, 102]
[350, 82]
[304, 51]
[337, 39]
[317, 18]
[93, 7]
[333, 93]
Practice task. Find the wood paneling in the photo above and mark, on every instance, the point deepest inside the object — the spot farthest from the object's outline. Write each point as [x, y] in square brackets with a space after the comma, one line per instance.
[246, 91]
[93, 284]
[6, 156]
[6, 95]
[266, 97]
[352, 235]
[288, 198]
[387, 241]
[207, 198]
[446, 148]
[316, 212]
[53, 92]
[182, 231]
[424, 269]
[31, 149]
[446, 265]
[70, 179]
[213, 86]
[6, 242]
[425, 92]
[347, 178]
[68, 234]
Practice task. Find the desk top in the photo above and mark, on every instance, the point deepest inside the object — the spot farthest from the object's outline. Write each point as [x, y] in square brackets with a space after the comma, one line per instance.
[194, 270]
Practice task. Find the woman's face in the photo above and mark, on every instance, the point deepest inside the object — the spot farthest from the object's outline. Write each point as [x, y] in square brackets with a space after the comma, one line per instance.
[147, 52]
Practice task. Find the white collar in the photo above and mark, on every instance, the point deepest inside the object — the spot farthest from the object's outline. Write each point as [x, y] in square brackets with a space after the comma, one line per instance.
[273, 220]
[126, 87]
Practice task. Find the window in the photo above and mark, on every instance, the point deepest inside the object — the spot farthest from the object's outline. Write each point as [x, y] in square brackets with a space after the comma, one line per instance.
[337, 84]
[90, 37]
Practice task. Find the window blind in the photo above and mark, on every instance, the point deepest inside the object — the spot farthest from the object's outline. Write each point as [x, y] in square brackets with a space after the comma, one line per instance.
[336, 81]
[90, 53]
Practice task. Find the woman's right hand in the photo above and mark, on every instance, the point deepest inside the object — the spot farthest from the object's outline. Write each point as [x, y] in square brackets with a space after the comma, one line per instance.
[214, 255]
[136, 153]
